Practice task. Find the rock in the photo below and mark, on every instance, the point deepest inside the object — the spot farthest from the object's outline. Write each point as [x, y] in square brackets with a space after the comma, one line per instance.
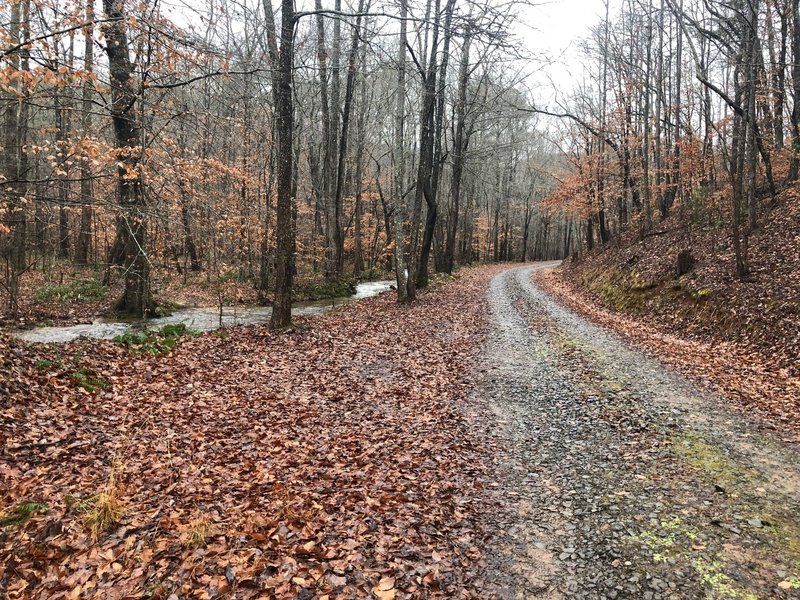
[756, 523]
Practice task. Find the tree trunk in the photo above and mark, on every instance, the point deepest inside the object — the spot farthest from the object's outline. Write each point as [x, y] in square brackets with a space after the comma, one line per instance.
[83, 244]
[14, 160]
[340, 169]
[794, 166]
[401, 214]
[460, 145]
[136, 298]
[284, 271]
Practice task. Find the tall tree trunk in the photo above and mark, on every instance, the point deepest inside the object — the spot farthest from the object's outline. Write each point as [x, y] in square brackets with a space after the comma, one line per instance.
[336, 85]
[779, 76]
[794, 166]
[265, 263]
[14, 160]
[284, 271]
[400, 211]
[358, 255]
[438, 123]
[427, 117]
[460, 145]
[340, 169]
[327, 110]
[676, 164]
[136, 298]
[63, 124]
[83, 243]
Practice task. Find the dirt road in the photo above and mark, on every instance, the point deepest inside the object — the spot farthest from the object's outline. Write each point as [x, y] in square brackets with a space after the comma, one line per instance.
[624, 480]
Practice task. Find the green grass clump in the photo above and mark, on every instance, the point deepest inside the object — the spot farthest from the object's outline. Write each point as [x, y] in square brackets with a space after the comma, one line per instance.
[155, 342]
[45, 364]
[88, 379]
[80, 290]
[22, 513]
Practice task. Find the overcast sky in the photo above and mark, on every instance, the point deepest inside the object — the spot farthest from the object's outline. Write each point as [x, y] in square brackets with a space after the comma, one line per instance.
[551, 31]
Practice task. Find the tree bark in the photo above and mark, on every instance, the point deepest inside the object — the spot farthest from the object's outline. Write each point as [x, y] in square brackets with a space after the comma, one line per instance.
[401, 214]
[460, 146]
[136, 298]
[284, 271]
[83, 244]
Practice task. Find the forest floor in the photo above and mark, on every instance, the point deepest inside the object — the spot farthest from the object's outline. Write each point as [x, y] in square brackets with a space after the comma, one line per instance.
[482, 442]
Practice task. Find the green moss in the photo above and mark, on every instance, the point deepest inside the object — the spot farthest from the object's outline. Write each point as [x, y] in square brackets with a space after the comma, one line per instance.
[666, 539]
[787, 534]
[721, 585]
[703, 292]
[710, 459]
[621, 289]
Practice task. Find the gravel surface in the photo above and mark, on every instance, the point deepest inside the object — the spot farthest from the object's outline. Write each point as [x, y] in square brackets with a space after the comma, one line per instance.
[619, 478]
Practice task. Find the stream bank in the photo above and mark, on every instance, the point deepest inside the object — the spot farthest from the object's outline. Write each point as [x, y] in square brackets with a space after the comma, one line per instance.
[198, 319]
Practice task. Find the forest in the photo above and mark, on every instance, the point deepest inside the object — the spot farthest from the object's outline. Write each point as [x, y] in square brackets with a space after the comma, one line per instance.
[579, 377]
[249, 146]
[263, 145]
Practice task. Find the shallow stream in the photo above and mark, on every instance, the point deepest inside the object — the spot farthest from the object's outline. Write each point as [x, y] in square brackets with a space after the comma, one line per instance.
[200, 319]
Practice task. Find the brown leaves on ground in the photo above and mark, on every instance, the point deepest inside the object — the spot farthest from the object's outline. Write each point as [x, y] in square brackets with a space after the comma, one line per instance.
[337, 460]
[740, 373]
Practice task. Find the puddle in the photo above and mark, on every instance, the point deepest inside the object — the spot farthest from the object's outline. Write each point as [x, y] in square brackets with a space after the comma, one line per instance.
[201, 319]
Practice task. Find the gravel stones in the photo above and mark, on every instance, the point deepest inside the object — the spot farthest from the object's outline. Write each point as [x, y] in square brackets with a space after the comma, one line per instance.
[615, 469]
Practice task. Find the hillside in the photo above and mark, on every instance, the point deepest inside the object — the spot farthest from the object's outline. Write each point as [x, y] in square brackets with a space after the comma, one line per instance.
[740, 334]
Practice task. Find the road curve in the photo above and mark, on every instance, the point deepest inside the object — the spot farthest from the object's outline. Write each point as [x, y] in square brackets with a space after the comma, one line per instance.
[620, 478]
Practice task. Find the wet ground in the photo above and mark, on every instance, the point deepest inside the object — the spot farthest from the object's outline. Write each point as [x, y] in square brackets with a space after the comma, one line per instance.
[199, 319]
[622, 479]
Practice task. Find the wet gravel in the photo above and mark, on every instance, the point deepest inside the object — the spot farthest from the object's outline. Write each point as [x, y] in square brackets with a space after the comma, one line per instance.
[619, 478]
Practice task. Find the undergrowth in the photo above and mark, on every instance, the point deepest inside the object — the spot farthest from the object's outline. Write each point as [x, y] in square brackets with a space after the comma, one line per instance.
[22, 513]
[78, 290]
[155, 342]
[89, 380]
[322, 290]
[101, 510]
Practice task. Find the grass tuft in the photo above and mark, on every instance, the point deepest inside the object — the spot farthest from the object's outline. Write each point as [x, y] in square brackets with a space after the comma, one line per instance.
[198, 532]
[102, 510]
[22, 513]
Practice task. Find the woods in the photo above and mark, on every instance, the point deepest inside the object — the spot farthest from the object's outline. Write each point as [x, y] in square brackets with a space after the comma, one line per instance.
[267, 330]
[684, 116]
[335, 142]
[265, 144]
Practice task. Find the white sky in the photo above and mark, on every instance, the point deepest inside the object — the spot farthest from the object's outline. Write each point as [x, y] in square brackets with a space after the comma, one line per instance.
[551, 31]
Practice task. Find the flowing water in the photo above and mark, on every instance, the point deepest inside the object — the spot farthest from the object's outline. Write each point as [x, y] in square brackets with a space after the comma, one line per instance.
[200, 319]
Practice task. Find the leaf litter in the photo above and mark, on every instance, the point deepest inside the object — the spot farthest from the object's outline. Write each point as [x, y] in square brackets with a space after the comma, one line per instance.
[339, 459]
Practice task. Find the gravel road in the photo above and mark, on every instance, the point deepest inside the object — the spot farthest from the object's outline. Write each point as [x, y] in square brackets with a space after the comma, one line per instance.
[619, 478]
